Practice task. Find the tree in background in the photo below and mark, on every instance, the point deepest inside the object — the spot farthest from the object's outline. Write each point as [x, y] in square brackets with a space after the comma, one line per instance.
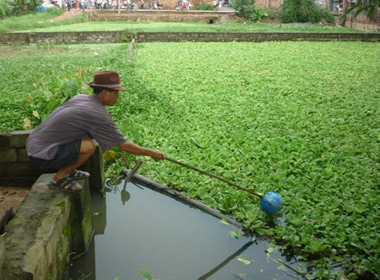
[247, 10]
[304, 11]
[367, 6]
[18, 7]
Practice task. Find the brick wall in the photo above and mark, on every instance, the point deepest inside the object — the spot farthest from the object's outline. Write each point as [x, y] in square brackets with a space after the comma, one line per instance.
[15, 166]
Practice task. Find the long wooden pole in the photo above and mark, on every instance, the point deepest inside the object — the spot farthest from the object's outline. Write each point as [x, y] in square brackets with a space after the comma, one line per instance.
[214, 176]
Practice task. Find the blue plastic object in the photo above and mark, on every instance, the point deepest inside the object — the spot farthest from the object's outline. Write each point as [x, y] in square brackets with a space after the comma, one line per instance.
[271, 203]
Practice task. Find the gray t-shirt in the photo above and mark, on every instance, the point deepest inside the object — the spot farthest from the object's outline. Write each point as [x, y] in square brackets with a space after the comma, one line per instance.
[83, 116]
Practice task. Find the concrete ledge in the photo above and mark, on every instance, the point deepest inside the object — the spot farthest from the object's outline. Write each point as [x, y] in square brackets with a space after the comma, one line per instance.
[251, 37]
[102, 37]
[48, 226]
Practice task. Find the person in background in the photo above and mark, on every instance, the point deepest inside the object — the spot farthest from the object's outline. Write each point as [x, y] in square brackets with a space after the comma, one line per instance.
[65, 139]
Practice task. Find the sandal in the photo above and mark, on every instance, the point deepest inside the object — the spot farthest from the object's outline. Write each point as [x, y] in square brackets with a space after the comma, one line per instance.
[79, 174]
[66, 185]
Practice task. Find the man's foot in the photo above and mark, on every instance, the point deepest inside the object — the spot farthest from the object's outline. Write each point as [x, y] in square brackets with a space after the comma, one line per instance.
[79, 174]
[66, 185]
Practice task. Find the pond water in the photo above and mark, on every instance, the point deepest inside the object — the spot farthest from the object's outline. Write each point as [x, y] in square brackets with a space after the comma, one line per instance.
[142, 229]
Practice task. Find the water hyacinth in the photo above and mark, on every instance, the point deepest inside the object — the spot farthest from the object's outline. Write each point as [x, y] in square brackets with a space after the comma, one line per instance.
[299, 118]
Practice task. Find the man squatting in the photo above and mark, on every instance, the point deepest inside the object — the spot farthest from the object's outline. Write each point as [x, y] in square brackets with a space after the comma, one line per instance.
[65, 139]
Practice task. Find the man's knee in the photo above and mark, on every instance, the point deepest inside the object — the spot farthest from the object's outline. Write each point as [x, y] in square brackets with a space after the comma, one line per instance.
[88, 146]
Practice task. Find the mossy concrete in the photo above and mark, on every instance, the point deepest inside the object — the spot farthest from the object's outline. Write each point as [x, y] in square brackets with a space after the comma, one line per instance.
[95, 165]
[37, 241]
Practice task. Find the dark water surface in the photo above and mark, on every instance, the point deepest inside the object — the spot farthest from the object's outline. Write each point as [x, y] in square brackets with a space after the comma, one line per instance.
[143, 229]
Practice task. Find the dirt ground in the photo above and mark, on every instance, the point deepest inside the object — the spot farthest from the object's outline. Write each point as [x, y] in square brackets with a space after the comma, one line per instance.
[12, 197]
[68, 14]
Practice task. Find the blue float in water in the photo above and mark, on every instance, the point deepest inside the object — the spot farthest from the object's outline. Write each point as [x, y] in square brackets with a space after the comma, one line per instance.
[271, 203]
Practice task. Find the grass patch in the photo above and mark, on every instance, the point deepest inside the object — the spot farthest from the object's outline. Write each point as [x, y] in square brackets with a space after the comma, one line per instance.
[194, 27]
[37, 20]
[300, 118]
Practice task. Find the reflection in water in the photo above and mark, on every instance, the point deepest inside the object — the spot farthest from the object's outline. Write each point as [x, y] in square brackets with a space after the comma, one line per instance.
[125, 196]
[225, 262]
[170, 239]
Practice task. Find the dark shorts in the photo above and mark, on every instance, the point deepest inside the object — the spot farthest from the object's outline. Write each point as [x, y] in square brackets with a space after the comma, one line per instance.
[67, 155]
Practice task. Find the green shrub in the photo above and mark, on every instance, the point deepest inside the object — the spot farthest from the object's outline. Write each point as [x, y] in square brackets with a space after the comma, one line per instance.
[25, 6]
[327, 16]
[5, 8]
[245, 8]
[303, 11]
[54, 12]
[258, 14]
[205, 6]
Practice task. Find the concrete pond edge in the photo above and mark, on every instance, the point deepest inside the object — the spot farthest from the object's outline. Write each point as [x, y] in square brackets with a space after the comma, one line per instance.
[48, 226]
[183, 198]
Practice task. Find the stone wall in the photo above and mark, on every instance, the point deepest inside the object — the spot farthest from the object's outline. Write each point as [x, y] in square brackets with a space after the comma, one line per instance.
[162, 16]
[64, 37]
[125, 36]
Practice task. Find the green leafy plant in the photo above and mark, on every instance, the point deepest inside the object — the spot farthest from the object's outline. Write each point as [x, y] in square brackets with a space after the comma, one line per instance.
[245, 8]
[360, 6]
[248, 10]
[301, 123]
[5, 8]
[55, 91]
[126, 38]
[145, 272]
[259, 14]
[205, 7]
[25, 6]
